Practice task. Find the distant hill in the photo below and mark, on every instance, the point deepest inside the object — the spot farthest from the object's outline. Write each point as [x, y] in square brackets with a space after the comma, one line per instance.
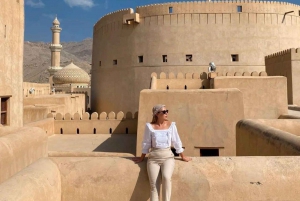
[37, 58]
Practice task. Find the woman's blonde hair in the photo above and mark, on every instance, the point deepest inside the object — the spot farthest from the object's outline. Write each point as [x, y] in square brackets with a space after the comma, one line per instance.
[155, 110]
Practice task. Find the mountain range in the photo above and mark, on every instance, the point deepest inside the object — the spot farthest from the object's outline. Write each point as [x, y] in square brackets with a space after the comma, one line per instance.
[37, 58]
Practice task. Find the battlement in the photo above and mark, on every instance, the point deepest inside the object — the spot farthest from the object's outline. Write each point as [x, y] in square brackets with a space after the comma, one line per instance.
[203, 75]
[208, 7]
[217, 7]
[94, 116]
[216, 2]
[293, 53]
[114, 15]
[104, 123]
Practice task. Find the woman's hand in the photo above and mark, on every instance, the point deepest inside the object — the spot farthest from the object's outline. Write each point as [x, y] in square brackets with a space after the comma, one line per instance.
[185, 158]
[138, 159]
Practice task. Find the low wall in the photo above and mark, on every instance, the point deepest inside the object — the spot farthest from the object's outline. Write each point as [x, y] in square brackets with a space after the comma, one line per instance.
[263, 138]
[5, 130]
[264, 97]
[191, 80]
[20, 149]
[34, 113]
[34, 89]
[96, 124]
[288, 125]
[205, 118]
[71, 103]
[39, 181]
[46, 124]
[210, 179]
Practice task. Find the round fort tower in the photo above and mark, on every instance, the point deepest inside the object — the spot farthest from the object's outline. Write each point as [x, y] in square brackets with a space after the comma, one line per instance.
[184, 37]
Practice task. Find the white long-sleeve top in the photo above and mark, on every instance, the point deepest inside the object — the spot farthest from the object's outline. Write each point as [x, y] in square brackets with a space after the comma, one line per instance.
[161, 138]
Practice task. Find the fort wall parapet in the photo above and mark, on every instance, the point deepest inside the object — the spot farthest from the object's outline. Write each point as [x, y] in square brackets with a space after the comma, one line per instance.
[103, 123]
[33, 89]
[191, 80]
[217, 7]
[285, 55]
[286, 63]
[112, 17]
[203, 75]
[254, 138]
[214, 12]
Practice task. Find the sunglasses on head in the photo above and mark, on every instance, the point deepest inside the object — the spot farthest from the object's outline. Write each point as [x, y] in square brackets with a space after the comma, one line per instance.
[164, 111]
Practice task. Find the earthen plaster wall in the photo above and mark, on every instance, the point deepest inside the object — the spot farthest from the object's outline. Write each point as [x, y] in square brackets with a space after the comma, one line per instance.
[210, 31]
[264, 97]
[20, 148]
[39, 89]
[46, 124]
[202, 122]
[40, 106]
[265, 138]
[39, 181]
[96, 124]
[288, 125]
[192, 80]
[11, 58]
[211, 179]
[33, 113]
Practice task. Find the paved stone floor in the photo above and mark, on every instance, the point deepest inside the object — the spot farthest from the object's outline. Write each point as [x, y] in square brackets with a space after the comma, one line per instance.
[90, 143]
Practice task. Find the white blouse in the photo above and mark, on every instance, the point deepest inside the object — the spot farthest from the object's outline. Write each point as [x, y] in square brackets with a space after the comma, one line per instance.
[161, 138]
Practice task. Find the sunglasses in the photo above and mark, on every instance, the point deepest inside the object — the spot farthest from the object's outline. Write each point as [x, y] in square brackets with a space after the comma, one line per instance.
[164, 111]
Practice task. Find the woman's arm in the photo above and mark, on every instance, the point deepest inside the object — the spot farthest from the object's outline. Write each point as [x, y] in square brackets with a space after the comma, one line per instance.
[146, 145]
[178, 144]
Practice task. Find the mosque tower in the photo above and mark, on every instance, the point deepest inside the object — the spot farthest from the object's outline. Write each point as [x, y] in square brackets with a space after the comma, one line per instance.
[55, 48]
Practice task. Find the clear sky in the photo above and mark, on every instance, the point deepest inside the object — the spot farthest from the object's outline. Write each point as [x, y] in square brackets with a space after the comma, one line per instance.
[77, 17]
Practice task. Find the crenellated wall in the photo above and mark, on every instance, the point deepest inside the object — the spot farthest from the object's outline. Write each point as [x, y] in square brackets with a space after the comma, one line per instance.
[104, 123]
[125, 54]
[286, 63]
[217, 7]
[191, 80]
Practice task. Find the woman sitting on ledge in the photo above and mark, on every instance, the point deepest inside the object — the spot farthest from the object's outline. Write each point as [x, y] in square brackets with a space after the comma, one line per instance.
[159, 135]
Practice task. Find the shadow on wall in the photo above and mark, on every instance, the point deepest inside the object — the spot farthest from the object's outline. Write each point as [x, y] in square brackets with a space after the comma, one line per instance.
[118, 143]
[141, 192]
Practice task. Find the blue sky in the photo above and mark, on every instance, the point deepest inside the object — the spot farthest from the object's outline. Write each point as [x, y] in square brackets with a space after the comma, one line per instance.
[77, 17]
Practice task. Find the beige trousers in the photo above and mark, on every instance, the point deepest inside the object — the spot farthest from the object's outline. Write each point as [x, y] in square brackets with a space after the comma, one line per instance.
[160, 161]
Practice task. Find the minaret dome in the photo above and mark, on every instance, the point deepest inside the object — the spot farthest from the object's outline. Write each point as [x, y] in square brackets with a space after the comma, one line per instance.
[55, 21]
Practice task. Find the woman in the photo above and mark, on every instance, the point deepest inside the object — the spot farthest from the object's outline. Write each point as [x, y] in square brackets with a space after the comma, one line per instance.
[159, 135]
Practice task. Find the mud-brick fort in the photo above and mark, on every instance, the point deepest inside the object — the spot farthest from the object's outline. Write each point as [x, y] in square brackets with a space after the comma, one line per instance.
[184, 37]
[240, 123]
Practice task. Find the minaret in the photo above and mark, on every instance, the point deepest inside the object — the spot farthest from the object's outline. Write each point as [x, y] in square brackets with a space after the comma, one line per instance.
[55, 48]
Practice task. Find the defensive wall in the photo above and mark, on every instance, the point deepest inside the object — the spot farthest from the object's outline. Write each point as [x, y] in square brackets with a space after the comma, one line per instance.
[263, 97]
[104, 123]
[98, 178]
[37, 107]
[268, 137]
[127, 50]
[34, 89]
[286, 63]
[11, 61]
[191, 80]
